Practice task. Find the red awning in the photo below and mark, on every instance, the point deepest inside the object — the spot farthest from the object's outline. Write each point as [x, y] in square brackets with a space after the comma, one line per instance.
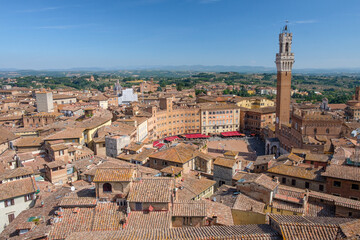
[160, 145]
[195, 135]
[170, 139]
[232, 134]
[155, 143]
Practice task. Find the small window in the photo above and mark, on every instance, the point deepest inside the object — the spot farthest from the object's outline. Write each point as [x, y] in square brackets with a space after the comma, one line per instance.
[107, 187]
[293, 182]
[307, 185]
[283, 180]
[327, 130]
[350, 214]
[278, 210]
[321, 187]
[28, 197]
[355, 186]
[9, 202]
[337, 184]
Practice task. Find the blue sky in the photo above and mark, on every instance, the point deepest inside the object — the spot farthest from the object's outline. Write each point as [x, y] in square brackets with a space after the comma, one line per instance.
[42, 34]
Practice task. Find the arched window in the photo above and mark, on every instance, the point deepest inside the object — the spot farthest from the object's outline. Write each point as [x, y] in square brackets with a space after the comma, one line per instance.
[287, 47]
[315, 130]
[107, 187]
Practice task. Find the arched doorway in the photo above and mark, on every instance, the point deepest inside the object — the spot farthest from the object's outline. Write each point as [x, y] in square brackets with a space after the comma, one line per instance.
[274, 150]
[107, 187]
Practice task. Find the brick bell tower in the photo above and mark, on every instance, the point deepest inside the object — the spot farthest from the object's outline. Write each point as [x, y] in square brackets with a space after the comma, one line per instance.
[284, 63]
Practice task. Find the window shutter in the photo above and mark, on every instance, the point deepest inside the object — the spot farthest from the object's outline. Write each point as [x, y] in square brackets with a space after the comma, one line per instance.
[6, 203]
[12, 202]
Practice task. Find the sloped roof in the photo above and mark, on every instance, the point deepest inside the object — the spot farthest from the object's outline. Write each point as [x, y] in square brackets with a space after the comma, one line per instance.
[157, 190]
[246, 203]
[296, 171]
[343, 172]
[17, 188]
[260, 179]
[225, 162]
[114, 175]
[181, 153]
[17, 172]
[246, 232]
[149, 220]
[6, 135]
[298, 227]
[189, 209]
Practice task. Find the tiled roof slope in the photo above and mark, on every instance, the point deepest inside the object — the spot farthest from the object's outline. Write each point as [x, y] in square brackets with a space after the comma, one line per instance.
[350, 230]
[179, 154]
[113, 175]
[17, 188]
[343, 172]
[338, 201]
[297, 227]
[246, 232]
[104, 217]
[78, 202]
[17, 172]
[296, 171]
[261, 179]
[156, 189]
[246, 203]
[189, 209]
[149, 220]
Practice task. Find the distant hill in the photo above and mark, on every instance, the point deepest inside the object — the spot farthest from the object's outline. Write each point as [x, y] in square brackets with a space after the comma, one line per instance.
[12, 72]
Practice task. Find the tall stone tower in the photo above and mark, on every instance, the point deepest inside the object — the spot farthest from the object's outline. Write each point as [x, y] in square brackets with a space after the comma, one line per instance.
[284, 62]
[44, 102]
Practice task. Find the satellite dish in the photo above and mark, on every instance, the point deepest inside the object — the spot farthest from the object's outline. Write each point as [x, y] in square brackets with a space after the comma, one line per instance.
[354, 133]
[72, 188]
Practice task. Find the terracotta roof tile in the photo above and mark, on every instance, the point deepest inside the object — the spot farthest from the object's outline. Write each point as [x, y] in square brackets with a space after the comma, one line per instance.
[246, 203]
[17, 172]
[114, 175]
[57, 163]
[298, 227]
[225, 162]
[297, 171]
[156, 189]
[260, 179]
[191, 186]
[181, 153]
[149, 220]
[78, 202]
[245, 232]
[338, 201]
[17, 188]
[104, 217]
[316, 157]
[221, 211]
[343, 172]
[189, 209]
[351, 230]
[264, 159]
